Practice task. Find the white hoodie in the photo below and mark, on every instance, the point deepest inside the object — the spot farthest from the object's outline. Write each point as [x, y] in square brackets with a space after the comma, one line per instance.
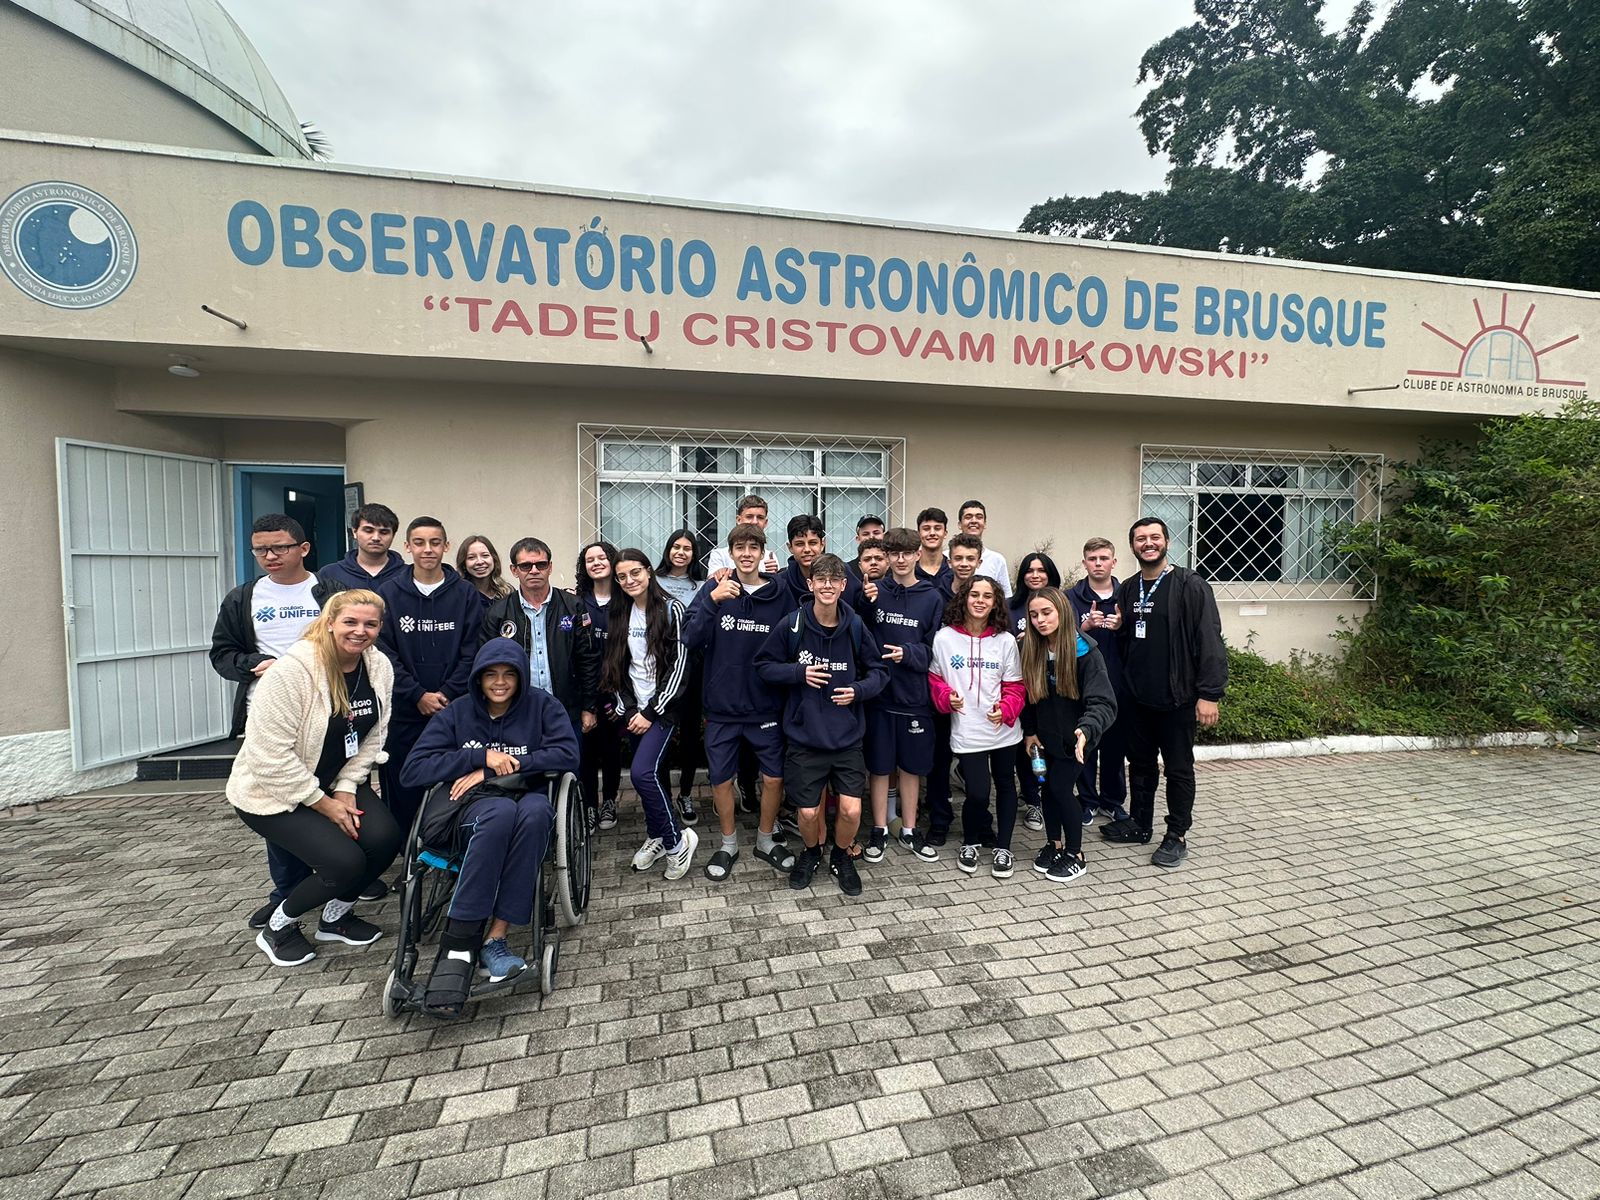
[984, 671]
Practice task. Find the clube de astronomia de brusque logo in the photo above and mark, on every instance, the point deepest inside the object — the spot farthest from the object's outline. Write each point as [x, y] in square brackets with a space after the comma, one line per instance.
[66, 245]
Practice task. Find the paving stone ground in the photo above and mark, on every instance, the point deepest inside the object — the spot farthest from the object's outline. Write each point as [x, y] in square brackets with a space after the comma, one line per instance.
[1376, 977]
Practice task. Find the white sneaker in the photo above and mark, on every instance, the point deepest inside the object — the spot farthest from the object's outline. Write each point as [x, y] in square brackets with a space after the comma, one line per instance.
[681, 855]
[647, 855]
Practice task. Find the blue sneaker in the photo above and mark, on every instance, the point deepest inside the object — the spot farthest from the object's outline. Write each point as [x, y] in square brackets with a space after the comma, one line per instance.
[1088, 815]
[497, 962]
[1115, 813]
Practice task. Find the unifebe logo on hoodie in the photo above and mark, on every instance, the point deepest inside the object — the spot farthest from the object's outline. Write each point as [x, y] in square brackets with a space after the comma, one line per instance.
[65, 245]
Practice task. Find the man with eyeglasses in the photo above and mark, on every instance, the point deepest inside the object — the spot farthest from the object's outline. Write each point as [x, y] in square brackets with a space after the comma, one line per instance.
[258, 621]
[552, 626]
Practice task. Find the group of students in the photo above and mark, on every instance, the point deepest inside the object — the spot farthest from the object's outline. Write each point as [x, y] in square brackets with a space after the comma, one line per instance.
[831, 689]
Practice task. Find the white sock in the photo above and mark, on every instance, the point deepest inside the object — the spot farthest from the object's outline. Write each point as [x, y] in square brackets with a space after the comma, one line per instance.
[764, 841]
[730, 843]
[279, 919]
[334, 910]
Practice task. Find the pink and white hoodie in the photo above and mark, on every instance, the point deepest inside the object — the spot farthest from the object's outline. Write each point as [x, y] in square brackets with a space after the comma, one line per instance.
[984, 670]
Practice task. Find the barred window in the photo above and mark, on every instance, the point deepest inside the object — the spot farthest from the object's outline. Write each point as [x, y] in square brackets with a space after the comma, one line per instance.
[639, 484]
[1262, 524]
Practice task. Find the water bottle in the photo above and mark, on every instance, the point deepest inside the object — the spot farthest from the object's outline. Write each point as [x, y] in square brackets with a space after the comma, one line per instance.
[1037, 763]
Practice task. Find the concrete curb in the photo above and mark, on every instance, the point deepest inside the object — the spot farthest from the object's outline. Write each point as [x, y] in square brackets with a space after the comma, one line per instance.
[1362, 744]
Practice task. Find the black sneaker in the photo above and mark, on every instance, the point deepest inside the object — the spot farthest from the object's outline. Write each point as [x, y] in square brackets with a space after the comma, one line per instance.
[877, 843]
[968, 858]
[1046, 857]
[286, 947]
[843, 868]
[913, 841]
[805, 866]
[1171, 852]
[1066, 868]
[1001, 865]
[686, 810]
[749, 802]
[1125, 832]
[349, 929]
[374, 891]
[937, 837]
[259, 918]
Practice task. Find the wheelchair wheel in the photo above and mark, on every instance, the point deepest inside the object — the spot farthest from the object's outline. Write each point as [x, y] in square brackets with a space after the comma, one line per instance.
[573, 862]
[391, 1005]
[539, 924]
[547, 967]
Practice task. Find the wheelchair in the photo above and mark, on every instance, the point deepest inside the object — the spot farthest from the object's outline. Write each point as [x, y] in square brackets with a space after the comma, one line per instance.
[559, 901]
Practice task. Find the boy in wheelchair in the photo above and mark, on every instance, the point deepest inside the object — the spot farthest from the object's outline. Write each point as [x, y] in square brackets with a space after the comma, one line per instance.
[493, 746]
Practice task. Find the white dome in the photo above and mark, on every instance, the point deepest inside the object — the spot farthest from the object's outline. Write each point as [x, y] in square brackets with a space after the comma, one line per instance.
[194, 48]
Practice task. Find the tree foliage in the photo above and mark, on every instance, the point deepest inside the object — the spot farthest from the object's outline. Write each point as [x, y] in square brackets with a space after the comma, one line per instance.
[1458, 137]
[1489, 573]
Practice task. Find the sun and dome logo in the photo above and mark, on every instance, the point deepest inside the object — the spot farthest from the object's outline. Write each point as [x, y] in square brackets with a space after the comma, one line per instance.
[65, 245]
[1501, 356]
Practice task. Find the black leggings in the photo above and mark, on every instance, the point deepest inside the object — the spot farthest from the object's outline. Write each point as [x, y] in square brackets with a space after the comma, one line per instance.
[1063, 811]
[689, 750]
[602, 760]
[341, 866]
[975, 772]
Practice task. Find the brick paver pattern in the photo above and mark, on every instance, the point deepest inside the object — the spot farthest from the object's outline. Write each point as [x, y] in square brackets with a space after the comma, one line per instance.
[1375, 977]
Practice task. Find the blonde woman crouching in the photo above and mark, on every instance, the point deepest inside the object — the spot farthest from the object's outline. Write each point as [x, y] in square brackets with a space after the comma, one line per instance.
[315, 731]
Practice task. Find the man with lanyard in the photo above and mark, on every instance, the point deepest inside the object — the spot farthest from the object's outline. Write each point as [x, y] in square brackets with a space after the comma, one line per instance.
[1177, 670]
[372, 563]
[257, 622]
[553, 627]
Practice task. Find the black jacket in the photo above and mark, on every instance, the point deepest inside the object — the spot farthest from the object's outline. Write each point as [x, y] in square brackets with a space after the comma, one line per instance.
[1056, 719]
[672, 674]
[1197, 667]
[574, 653]
[234, 654]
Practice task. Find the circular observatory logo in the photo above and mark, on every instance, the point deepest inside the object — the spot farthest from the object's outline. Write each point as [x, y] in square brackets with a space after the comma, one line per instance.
[65, 245]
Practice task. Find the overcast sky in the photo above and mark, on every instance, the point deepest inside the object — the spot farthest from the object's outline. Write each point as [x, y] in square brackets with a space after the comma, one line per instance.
[948, 111]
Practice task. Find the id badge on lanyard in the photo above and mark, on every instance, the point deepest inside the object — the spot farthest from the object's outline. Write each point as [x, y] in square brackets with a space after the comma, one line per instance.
[1147, 604]
[1138, 628]
[351, 742]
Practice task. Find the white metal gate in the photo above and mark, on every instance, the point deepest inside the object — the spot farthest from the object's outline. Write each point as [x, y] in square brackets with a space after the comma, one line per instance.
[142, 569]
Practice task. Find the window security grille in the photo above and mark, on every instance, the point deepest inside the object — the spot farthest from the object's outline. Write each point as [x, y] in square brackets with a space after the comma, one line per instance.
[1263, 524]
[639, 484]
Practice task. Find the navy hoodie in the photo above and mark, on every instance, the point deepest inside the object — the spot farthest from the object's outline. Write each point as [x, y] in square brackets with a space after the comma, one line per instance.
[351, 574]
[1018, 606]
[729, 633]
[797, 583]
[1080, 596]
[535, 729]
[430, 639]
[907, 617]
[810, 717]
[944, 579]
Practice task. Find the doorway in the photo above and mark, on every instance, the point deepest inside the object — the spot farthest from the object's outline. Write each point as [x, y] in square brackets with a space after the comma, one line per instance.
[313, 496]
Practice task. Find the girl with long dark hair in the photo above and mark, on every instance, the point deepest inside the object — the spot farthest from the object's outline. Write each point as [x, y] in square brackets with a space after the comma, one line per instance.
[681, 574]
[602, 746]
[646, 670]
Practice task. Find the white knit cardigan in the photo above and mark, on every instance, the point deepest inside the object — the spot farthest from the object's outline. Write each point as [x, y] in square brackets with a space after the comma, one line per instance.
[276, 769]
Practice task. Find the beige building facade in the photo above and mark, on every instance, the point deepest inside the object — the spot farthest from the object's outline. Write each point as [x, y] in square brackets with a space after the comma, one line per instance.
[519, 360]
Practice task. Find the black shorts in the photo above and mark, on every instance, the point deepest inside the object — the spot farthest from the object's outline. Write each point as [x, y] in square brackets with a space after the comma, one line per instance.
[806, 772]
[896, 742]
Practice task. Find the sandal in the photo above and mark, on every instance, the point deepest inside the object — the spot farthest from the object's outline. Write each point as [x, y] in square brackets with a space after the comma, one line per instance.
[449, 985]
[779, 858]
[721, 865]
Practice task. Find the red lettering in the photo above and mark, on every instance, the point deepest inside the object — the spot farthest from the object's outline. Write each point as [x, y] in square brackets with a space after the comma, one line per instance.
[981, 350]
[511, 314]
[833, 328]
[1030, 354]
[596, 321]
[1123, 353]
[1192, 362]
[746, 328]
[1219, 363]
[906, 348]
[473, 303]
[632, 330]
[858, 337]
[693, 338]
[797, 335]
[547, 326]
[1159, 357]
[1076, 351]
[937, 343]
